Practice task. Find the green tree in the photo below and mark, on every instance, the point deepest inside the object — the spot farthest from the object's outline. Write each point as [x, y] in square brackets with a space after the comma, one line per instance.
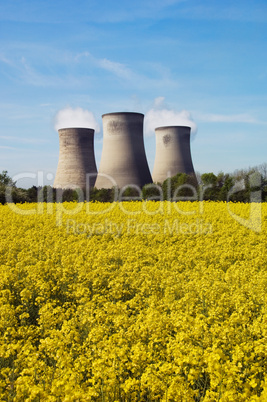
[209, 179]
[181, 185]
[226, 187]
[209, 188]
[6, 180]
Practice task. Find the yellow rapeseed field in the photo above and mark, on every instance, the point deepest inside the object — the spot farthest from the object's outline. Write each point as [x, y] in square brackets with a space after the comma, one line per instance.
[133, 301]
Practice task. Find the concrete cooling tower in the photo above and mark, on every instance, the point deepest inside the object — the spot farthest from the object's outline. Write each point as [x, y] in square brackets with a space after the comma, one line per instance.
[173, 153]
[123, 156]
[76, 158]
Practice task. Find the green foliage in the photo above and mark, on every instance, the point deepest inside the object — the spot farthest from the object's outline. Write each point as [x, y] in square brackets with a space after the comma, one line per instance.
[32, 194]
[5, 180]
[130, 194]
[102, 195]
[236, 187]
[152, 192]
[179, 187]
[209, 179]
[226, 187]
[9, 191]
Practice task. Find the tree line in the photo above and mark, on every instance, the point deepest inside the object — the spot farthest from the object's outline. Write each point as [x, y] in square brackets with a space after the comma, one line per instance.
[240, 186]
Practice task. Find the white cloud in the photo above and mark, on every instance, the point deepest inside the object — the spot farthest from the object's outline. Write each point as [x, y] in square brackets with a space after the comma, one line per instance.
[119, 69]
[3, 59]
[80, 70]
[116, 68]
[78, 117]
[160, 116]
[33, 77]
[22, 70]
[159, 101]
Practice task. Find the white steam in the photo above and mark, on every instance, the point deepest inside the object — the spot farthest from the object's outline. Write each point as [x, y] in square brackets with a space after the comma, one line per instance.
[68, 117]
[160, 116]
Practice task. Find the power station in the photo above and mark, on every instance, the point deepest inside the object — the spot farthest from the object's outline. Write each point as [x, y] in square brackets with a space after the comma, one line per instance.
[123, 160]
[173, 154]
[76, 158]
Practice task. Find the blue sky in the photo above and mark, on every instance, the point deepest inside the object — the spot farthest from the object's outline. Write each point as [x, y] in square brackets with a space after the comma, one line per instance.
[201, 62]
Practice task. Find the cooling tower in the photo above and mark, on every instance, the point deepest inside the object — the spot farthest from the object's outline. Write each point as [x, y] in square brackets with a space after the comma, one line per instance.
[76, 158]
[173, 153]
[123, 156]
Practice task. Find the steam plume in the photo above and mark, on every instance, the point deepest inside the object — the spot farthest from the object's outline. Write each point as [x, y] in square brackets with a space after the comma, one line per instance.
[160, 115]
[68, 117]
